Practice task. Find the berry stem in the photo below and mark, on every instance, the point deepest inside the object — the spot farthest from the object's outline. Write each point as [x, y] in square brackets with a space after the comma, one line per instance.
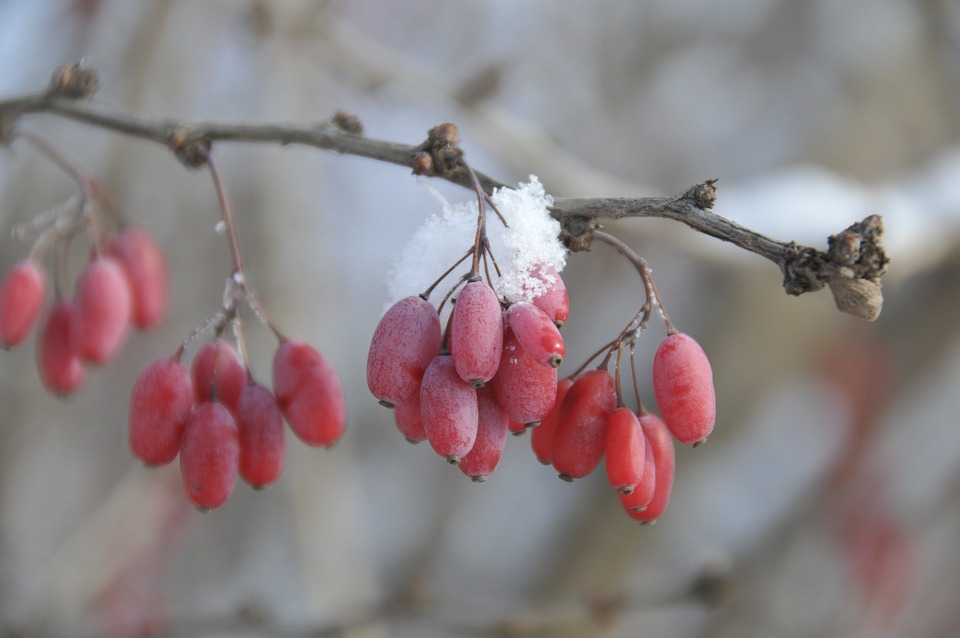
[425, 295]
[226, 213]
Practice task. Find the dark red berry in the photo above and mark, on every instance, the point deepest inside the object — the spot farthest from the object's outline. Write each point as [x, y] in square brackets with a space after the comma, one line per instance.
[159, 408]
[309, 394]
[209, 455]
[403, 345]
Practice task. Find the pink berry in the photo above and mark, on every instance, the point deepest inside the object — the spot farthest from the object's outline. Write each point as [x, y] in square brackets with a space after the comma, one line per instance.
[403, 345]
[626, 450]
[542, 438]
[101, 310]
[61, 370]
[448, 405]
[526, 389]
[581, 435]
[218, 374]
[21, 298]
[260, 432]
[476, 333]
[642, 494]
[683, 385]
[485, 454]
[537, 334]
[145, 267]
[159, 407]
[409, 420]
[660, 443]
[209, 453]
[554, 302]
[309, 394]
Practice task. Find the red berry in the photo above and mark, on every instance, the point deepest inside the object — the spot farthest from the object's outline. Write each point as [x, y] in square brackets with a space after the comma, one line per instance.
[403, 345]
[537, 334]
[525, 389]
[159, 407]
[260, 432]
[448, 405]
[683, 385]
[625, 450]
[145, 267]
[409, 420]
[309, 394]
[581, 435]
[660, 443]
[218, 374]
[61, 370]
[101, 310]
[542, 438]
[554, 302]
[642, 494]
[21, 298]
[485, 454]
[209, 452]
[476, 333]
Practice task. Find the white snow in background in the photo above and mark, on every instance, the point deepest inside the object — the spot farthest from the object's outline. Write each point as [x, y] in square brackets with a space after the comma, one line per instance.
[530, 239]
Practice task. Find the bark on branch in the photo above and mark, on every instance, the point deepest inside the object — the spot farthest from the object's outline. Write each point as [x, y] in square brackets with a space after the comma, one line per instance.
[852, 265]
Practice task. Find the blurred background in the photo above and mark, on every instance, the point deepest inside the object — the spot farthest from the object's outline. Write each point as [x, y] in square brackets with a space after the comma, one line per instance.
[827, 501]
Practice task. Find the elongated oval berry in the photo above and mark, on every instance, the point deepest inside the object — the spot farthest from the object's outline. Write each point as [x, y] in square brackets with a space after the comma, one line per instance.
[409, 420]
[61, 370]
[101, 310]
[209, 455]
[309, 394]
[21, 298]
[476, 333]
[542, 438]
[537, 334]
[625, 450]
[403, 345]
[639, 499]
[159, 408]
[554, 301]
[660, 443]
[448, 405]
[524, 388]
[146, 268]
[683, 385]
[581, 436]
[485, 454]
[260, 435]
[218, 374]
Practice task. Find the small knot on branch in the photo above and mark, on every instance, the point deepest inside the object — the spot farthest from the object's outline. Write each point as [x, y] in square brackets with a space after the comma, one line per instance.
[703, 195]
[577, 232]
[348, 122]
[439, 154]
[190, 148]
[73, 81]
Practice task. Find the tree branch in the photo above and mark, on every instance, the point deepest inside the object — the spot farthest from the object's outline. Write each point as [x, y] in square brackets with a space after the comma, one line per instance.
[852, 265]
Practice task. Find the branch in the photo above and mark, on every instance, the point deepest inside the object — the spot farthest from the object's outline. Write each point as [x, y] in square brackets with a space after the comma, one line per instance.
[852, 265]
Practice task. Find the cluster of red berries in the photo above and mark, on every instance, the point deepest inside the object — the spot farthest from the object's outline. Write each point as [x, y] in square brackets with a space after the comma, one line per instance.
[123, 284]
[494, 370]
[221, 422]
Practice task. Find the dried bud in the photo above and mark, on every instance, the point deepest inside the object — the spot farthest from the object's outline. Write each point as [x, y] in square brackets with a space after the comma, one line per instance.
[348, 122]
[858, 297]
[74, 81]
[422, 163]
[190, 149]
[444, 134]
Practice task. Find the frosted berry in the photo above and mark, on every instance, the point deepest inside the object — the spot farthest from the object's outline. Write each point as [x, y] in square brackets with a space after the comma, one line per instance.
[485, 454]
[537, 334]
[625, 450]
[639, 499]
[218, 374]
[260, 433]
[542, 438]
[403, 345]
[21, 298]
[309, 394]
[209, 453]
[409, 420]
[476, 333]
[101, 310]
[664, 463]
[448, 405]
[581, 436]
[145, 267]
[159, 408]
[683, 385]
[554, 302]
[525, 389]
[61, 370]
